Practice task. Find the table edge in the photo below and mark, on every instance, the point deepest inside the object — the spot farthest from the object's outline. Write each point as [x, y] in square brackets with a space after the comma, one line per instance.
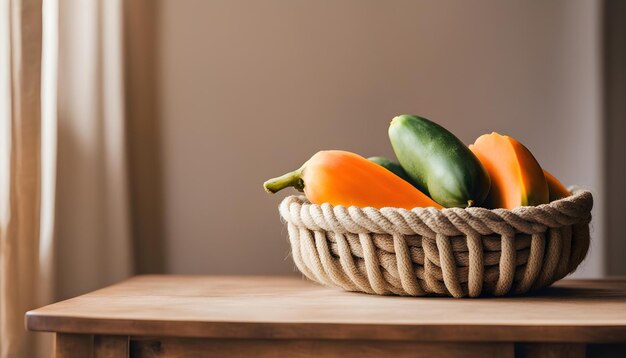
[332, 331]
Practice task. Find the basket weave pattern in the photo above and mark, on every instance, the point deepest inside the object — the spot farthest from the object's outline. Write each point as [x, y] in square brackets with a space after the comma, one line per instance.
[452, 252]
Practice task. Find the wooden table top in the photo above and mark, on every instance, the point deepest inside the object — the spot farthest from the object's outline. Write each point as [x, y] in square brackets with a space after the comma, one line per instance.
[291, 307]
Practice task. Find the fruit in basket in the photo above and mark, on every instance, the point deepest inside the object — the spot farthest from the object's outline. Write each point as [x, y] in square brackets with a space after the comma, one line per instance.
[556, 190]
[344, 178]
[393, 167]
[516, 177]
[438, 162]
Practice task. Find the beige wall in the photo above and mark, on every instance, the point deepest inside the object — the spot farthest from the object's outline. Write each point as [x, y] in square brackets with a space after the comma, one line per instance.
[251, 89]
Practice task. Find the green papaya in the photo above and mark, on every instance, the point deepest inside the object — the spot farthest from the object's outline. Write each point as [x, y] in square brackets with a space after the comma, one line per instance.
[393, 167]
[438, 162]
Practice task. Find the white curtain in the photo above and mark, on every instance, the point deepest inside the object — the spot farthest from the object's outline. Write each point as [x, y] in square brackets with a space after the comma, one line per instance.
[64, 210]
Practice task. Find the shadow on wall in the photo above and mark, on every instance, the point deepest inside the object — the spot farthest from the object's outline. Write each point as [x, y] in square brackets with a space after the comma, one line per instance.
[615, 128]
[144, 135]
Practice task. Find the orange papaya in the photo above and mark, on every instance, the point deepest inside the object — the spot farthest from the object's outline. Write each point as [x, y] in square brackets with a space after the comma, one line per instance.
[517, 179]
[556, 190]
[344, 178]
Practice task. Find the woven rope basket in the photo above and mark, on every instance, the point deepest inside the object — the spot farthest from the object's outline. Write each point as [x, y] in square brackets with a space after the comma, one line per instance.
[450, 252]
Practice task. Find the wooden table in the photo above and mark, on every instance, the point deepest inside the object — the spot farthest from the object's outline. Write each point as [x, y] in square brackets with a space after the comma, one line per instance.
[167, 316]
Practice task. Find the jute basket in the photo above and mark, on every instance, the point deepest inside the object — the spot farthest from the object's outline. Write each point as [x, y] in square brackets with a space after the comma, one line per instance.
[451, 252]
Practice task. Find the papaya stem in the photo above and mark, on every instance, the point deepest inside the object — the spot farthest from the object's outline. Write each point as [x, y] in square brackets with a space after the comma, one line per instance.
[293, 179]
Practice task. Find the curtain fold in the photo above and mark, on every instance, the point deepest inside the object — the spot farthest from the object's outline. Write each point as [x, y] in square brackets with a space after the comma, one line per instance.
[21, 193]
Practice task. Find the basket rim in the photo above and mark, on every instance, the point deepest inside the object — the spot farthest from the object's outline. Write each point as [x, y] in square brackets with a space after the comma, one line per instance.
[574, 209]
[578, 194]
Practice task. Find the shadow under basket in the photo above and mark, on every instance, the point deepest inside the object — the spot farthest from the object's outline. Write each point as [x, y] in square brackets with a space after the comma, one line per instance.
[451, 252]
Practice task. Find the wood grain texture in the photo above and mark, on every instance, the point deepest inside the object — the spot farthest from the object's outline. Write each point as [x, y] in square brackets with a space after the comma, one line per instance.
[292, 308]
[110, 346]
[186, 347]
[73, 345]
